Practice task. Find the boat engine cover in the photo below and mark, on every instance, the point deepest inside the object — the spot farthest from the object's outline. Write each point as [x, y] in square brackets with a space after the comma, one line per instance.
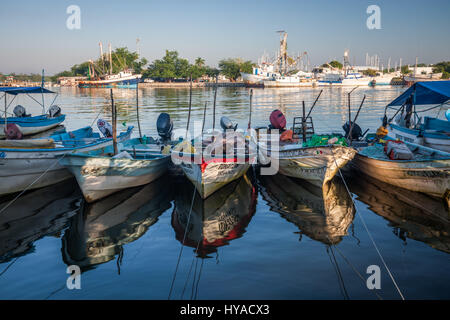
[227, 124]
[12, 132]
[277, 120]
[105, 128]
[356, 130]
[164, 125]
[54, 111]
[20, 112]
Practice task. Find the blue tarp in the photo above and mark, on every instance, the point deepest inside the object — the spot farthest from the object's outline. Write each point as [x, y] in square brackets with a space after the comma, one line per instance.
[428, 92]
[17, 90]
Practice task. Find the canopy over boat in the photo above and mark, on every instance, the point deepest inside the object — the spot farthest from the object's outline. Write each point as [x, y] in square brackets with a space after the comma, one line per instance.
[18, 90]
[429, 92]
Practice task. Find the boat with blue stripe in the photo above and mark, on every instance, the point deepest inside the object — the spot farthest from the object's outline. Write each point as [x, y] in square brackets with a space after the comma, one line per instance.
[407, 125]
[32, 163]
[26, 124]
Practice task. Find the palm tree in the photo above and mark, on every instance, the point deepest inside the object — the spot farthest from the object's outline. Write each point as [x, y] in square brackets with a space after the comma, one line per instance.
[199, 62]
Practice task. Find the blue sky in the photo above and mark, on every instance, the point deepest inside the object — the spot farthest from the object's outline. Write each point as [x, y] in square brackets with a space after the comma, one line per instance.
[34, 34]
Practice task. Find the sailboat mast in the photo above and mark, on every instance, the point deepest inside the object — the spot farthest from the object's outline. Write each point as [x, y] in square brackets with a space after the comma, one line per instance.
[110, 59]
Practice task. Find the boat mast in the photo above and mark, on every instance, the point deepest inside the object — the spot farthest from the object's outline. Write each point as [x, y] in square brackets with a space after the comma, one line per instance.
[101, 56]
[110, 58]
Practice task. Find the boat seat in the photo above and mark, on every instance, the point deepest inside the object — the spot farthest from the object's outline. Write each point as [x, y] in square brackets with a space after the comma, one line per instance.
[28, 144]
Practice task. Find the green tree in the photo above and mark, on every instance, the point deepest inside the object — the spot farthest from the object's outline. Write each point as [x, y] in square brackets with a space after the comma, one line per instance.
[200, 62]
[370, 72]
[232, 68]
[405, 70]
[334, 64]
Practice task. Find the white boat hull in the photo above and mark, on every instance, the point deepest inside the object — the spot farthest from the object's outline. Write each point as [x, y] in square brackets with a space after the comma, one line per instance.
[430, 177]
[214, 176]
[35, 169]
[26, 131]
[439, 144]
[315, 164]
[100, 177]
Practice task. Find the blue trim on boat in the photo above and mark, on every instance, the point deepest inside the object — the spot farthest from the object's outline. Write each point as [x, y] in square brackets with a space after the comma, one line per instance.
[36, 121]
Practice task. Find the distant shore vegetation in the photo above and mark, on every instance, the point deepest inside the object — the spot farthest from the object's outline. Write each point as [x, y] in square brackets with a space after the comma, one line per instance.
[171, 67]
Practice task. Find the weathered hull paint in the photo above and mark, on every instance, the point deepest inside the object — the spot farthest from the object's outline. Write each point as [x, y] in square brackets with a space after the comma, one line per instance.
[431, 177]
[99, 177]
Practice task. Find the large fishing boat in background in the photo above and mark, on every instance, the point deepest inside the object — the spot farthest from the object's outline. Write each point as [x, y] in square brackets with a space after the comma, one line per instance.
[107, 79]
[350, 77]
[124, 79]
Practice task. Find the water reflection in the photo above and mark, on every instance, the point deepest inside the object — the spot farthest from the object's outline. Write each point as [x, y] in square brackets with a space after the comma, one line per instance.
[215, 221]
[98, 234]
[323, 214]
[411, 214]
[41, 212]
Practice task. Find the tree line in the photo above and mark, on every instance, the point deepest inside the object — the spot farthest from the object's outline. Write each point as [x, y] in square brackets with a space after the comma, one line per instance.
[169, 68]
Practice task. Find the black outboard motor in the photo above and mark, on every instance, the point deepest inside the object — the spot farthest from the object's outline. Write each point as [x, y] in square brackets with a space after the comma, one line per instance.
[54, 111]
[20, 112]
[227, 124]
[356, 131]
[164, 126]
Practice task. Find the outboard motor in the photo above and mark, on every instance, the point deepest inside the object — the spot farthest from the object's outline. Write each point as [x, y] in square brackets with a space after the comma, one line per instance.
[227, 124]
[20, 112]
[105, 128]
[277, 120]
[12, 132]
[356, 131]
[54, 111]
[164, 125]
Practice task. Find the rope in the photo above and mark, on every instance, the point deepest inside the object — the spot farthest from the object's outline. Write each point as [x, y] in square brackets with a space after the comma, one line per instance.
[354, 269]
[190, 269]
[182, 245]
[9, 265]
[339, 275]
[368, 232]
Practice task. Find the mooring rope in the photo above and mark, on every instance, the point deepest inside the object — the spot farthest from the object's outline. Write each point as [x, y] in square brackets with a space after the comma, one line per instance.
[353, 267]
[367, 230]
[190, 269]
[339, 275]
[182, 244]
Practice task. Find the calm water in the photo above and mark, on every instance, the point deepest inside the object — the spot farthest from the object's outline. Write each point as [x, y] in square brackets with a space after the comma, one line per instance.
[257, 238]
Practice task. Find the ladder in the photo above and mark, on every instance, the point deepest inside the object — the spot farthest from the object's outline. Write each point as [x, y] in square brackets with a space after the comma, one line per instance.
[303, 127]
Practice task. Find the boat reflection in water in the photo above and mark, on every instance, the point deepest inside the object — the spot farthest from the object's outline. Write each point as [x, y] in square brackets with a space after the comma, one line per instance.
[98, 234]
[323, 214]
[36, 214]
[217, 220]
[412, 215]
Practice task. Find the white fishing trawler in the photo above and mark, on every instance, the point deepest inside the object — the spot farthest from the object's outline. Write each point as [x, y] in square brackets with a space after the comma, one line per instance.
[350, 77]
[123, 79]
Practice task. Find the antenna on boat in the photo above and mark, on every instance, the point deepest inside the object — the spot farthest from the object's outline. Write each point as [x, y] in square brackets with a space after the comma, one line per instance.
[113, 118]
[42, 93]
[190, 106]
[250, 115]
[110, 58]
[214, 105]
[137, 110]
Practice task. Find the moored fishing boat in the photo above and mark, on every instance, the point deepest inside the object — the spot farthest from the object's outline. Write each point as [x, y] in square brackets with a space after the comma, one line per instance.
[24, 123]
[316, 160]
[214, 160]
[100, 174]
[407, 126]
[427, 171]
[34, 164]
[136, 162]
